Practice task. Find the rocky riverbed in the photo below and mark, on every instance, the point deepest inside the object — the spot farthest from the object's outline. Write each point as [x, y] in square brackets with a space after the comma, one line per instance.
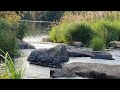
[39, 72]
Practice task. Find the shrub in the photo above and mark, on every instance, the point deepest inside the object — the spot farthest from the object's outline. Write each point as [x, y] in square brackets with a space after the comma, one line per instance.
[97, 44]
[107, 29]
[71, 32]
[21, 30]
[7, 38]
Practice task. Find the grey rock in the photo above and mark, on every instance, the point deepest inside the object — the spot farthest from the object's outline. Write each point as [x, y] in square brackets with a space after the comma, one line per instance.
[77, 52]
[101, 55]
[89, 70]
[52, 57]
[78, 44]
[24, 45]
[114, 44]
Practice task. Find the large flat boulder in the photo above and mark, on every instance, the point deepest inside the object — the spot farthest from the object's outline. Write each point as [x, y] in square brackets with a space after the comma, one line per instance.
[87, 70]
[77, 52]
[52, 57]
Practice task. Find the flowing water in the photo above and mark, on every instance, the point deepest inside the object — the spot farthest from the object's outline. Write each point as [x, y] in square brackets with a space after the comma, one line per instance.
[39, 72]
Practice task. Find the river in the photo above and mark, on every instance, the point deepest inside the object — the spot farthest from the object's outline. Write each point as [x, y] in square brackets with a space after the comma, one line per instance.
[39, 72]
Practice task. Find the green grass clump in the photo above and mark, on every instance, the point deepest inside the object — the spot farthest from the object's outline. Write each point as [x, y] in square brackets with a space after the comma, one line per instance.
[107, 29]
[97, 44]
[10, 72]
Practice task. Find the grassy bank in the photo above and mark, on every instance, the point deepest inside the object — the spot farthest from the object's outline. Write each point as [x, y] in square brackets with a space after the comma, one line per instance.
[84, 27]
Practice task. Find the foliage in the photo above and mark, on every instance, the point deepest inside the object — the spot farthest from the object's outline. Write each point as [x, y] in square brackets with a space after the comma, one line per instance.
[107, 29]
[12, 18]
[97, 44]
[21, 30]
[7, 38]
[10, 70]
[71, 32]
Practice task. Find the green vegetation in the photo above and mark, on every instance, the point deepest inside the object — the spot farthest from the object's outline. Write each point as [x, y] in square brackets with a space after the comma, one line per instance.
[97, 44]
[21, 30]
[71, 32]
[7, 38]
[82, 26]
[10, 30]
[107, 29]
[8, 70]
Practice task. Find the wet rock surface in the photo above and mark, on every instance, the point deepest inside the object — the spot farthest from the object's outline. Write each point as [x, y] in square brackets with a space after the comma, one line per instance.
[24, 45]
[101, 55]
[76, 52]
[89, 70]
[52, 57]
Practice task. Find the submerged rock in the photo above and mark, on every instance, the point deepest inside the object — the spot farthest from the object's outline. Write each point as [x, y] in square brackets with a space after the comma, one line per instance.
[52, 57]
[89, 70]
[24, 45]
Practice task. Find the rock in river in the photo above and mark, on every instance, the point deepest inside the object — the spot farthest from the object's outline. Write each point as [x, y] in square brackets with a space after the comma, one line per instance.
[78, 44]
[101, 55]
[52, 57]
[89, 70]
[24, 45]
[77, 52]
[115, 44]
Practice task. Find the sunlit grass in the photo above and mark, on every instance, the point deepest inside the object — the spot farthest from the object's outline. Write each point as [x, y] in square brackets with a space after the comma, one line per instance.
[97, 44]
[9, 70]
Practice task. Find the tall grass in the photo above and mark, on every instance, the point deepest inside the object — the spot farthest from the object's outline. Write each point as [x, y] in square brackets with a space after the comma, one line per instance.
[10, 70]
[83, 25]
[97, 44]
[107, 29]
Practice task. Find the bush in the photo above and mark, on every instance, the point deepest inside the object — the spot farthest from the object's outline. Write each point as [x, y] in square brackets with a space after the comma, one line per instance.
[107, 29]
[71, 32]
[97, 44]
[21, 30]
[7, 38]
